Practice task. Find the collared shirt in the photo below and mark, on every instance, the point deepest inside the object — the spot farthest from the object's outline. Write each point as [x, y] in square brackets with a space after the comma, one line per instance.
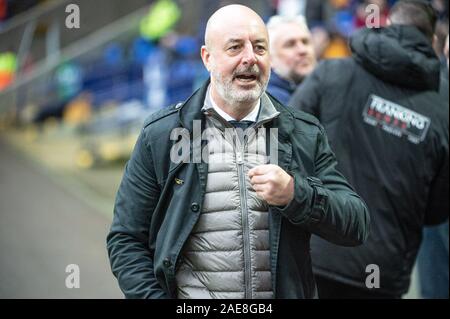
[252, 116]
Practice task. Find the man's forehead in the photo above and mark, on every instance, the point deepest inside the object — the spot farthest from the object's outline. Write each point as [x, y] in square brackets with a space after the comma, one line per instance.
[242, 33]
[234, 21]
[292, 31]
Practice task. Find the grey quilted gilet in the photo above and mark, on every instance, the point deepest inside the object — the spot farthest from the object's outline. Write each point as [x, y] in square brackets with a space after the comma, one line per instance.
[227, 253]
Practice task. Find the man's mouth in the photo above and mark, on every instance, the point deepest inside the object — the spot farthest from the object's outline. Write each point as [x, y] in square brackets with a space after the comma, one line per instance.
[247, 78]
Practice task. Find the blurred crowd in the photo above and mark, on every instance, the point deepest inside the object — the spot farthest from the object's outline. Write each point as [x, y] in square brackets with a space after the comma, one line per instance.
[168, 36]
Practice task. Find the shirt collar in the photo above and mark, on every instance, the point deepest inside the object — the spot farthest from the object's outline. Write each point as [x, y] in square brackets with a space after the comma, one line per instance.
[209, 102]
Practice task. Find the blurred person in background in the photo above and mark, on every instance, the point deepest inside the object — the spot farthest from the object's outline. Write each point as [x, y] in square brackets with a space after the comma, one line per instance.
[388, 127]
[432, 260]
[330, 22]
[292, 55]
[230, 225]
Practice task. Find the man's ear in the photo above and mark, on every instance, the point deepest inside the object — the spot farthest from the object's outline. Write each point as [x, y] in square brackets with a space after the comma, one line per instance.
[205, 57]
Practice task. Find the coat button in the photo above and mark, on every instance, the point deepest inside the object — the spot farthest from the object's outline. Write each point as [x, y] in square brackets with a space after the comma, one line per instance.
[167, 263]
[195, 207]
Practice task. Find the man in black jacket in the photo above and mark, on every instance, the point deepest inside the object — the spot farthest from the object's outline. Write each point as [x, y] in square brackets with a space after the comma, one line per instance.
[234, 224]
[388, 126]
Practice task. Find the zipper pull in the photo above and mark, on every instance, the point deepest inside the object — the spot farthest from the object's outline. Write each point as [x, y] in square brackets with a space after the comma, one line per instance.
[239, 157]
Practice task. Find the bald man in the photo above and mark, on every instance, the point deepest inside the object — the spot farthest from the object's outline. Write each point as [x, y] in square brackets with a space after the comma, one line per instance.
[212, 203]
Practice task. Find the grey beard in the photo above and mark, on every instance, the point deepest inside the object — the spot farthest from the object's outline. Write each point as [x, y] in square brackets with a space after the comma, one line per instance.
[235, 96]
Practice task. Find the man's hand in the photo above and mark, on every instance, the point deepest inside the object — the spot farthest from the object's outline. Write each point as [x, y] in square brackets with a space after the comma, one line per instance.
[272, 184]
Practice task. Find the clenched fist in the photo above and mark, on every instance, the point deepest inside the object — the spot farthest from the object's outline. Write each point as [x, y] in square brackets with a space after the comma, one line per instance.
[272, 184]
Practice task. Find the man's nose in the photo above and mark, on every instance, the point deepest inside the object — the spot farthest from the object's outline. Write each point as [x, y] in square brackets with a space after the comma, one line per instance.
[249, 56]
